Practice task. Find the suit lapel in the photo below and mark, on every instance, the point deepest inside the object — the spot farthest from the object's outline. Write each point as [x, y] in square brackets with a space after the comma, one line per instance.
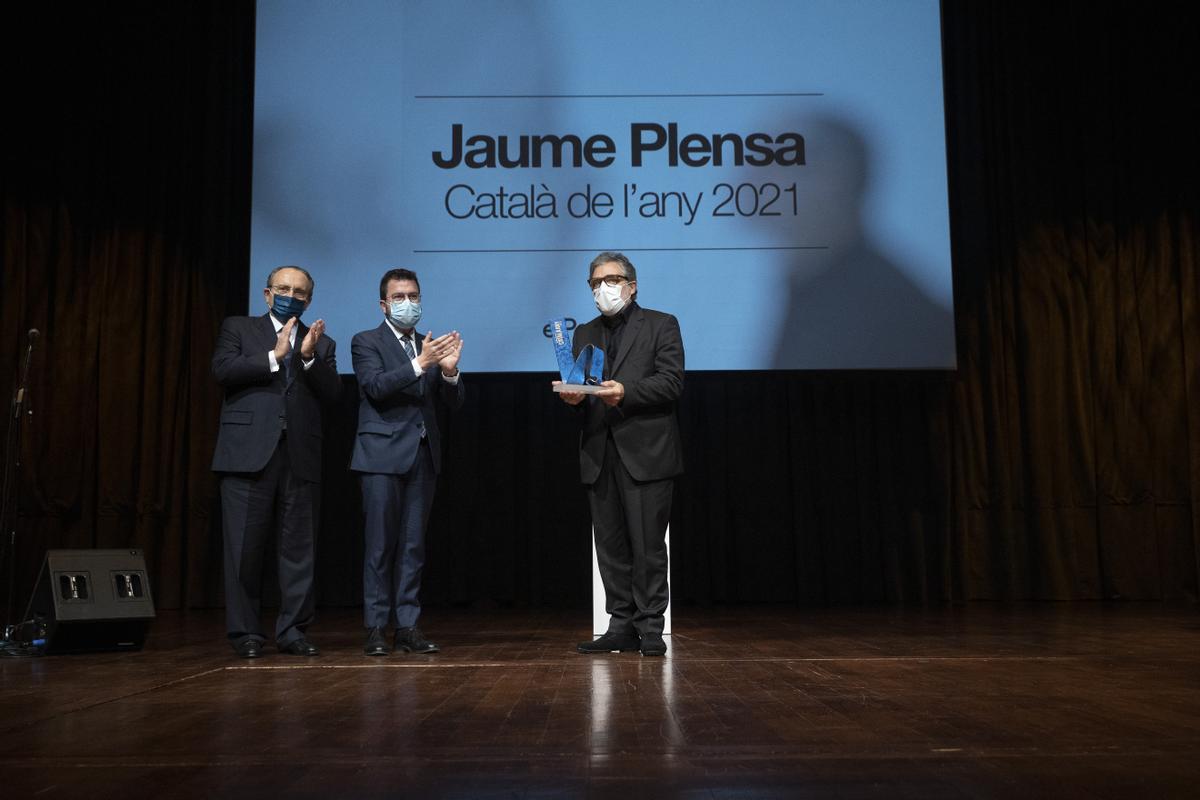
[265, 331]
[588, 333]
[633, 329]
[391, 342]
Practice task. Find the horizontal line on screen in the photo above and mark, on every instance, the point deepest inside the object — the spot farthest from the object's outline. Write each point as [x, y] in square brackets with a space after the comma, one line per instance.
[622, 249]
[608, 96]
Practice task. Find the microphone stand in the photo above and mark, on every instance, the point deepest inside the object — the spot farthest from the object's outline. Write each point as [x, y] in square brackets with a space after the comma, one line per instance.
[12, 474]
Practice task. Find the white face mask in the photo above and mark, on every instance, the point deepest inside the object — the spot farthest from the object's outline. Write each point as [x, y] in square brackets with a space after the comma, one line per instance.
[609, 299]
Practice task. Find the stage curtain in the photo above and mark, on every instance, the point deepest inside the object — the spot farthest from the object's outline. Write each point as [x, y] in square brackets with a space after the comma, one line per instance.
[125, 232]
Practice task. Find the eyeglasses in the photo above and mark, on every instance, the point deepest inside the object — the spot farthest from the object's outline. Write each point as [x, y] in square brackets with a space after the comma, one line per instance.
[611, 280]
[413, 297]
[288, 291]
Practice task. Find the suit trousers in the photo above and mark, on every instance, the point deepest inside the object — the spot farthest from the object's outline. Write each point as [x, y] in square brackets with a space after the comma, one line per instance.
[253, 506]
[630, 522]
[397, 510]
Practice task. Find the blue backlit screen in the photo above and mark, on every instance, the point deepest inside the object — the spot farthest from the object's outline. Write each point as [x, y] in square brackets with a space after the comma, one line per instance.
[775, 169]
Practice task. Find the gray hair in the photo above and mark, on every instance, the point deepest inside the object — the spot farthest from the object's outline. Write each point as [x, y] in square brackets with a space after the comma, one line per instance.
[312, 285]
[618, 258]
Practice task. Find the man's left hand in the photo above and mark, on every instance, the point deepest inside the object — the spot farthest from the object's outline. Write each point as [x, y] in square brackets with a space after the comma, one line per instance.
[611, 392]
[449, 362]
[308, 347]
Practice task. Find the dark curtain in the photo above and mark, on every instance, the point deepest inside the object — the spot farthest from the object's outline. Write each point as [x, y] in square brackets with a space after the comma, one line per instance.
[125, 239]
[1060, 461]
[1076, 417]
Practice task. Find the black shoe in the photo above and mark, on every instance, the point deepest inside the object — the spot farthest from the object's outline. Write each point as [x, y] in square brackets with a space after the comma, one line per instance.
[610, 643]
[300, 647]
[653, 645]
[248, 648]
[410, 640]
[376, 643]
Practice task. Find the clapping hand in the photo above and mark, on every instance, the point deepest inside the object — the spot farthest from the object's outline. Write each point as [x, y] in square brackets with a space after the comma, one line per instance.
[434, 350]
[308, 347]
[283, 341]
[449, 362]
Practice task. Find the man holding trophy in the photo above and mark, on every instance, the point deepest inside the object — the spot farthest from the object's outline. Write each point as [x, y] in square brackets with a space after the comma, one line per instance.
[626, 381]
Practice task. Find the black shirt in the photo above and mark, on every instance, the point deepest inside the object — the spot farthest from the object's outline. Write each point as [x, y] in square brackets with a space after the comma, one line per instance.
[614, 326]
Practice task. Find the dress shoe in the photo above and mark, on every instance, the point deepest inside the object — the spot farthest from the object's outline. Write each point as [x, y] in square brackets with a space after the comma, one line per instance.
[376, 643]
[610, 643]
[300, 647]
[410, 640]
[653, 645]
[248, 648]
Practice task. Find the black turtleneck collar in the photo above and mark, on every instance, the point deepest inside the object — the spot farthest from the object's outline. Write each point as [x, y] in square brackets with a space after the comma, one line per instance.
[620, 318]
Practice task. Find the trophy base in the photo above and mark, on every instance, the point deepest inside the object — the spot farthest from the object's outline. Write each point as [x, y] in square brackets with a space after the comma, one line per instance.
[576, 387]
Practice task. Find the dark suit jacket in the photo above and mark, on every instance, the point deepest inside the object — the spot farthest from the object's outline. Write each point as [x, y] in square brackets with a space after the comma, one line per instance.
[644, 426]
[395, 403]
[255, 396]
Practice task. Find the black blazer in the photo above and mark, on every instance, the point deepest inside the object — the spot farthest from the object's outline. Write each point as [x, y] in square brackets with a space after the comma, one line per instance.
[255, 397]
[395, 403]
[644, 426]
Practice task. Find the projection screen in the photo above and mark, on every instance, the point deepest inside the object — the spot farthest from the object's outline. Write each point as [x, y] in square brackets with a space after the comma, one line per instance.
[775, 169]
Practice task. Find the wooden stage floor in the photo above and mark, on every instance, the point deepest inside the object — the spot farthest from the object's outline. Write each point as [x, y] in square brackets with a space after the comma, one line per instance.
[1048, 700]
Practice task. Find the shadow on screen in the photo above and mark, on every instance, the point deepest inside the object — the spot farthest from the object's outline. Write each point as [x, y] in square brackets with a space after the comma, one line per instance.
[852, 305]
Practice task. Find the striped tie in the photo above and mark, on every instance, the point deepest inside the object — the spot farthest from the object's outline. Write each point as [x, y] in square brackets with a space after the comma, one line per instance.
[406, 340]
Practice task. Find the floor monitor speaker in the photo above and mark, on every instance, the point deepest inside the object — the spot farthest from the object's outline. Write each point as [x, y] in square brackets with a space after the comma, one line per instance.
[92, 600]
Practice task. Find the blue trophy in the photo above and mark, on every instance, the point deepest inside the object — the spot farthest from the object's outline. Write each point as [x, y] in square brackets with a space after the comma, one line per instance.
[581, 374]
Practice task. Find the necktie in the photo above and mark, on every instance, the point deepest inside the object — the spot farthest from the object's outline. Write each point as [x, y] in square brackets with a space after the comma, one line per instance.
[287, 380]
[287, 360]
[406, 340]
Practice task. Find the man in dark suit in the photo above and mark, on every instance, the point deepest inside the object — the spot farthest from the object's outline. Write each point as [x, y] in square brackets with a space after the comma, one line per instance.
[401, 378]
[630, 453]
[277, 373]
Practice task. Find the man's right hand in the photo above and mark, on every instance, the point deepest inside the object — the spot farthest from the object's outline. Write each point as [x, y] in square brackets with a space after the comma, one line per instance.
[434, 350]
[570, 398]
[283, 341]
